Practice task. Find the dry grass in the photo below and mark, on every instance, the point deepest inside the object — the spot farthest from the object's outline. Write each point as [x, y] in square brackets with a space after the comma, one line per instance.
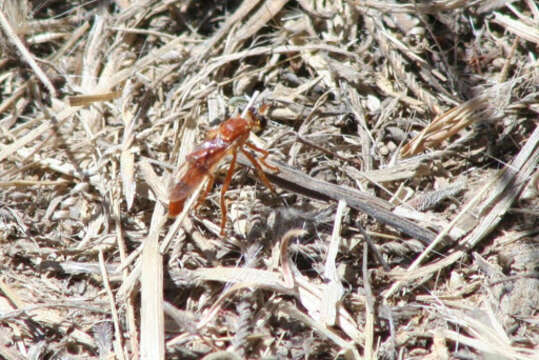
[418, 119]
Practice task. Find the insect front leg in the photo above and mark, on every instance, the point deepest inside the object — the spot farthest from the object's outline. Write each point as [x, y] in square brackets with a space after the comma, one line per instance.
[264, 153]
[258, 168]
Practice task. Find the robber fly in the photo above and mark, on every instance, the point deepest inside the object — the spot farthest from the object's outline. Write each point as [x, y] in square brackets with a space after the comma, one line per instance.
[228, 138]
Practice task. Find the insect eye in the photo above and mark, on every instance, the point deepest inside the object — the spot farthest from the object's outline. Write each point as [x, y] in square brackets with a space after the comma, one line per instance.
[262, 122]
[259, 121]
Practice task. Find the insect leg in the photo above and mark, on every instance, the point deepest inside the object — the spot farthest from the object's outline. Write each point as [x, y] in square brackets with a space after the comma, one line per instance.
[209, 186]
[225, 188]
[264, 156]
[258, 168]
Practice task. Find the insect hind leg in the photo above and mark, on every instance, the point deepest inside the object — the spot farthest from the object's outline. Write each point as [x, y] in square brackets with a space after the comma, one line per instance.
[209, 186]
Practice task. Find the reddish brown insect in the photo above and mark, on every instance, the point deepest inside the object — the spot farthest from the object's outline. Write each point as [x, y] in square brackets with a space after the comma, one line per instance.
[226, 139]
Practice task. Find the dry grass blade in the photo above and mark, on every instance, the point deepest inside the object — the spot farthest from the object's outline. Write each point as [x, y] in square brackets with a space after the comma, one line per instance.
[502, 191]
[403, 171]
[11, 300]
[127, 160]
[487, 335]
[335, 289]
[84, 100]
[347, 349]
[5, 151]
[444, 126]
[265, 13]
[377, 29]
[119, 350]
[508, 185]
[127, 171]
[519, 28]
[244, 9]
[26, 55]
[431, 7]
[370, 352]
[152, 335]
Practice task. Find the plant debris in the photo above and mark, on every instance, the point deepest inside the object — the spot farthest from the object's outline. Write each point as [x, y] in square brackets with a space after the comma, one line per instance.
[406, 213]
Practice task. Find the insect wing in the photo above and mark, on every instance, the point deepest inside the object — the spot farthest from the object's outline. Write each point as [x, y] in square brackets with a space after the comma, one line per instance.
[189, 182]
